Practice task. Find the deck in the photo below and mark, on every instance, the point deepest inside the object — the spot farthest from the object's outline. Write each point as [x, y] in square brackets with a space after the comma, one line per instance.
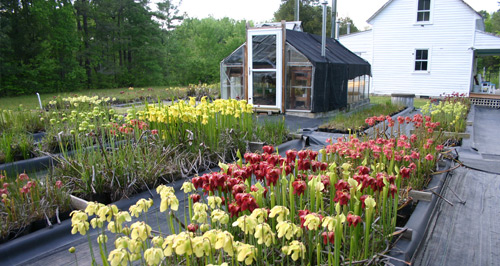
[485, 99]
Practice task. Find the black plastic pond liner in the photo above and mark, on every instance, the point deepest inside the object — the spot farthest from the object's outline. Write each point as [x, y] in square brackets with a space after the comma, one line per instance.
[467, 232]
[29, 166]
[486, 126]
[405, 248]
[38, 164]
[37, 137]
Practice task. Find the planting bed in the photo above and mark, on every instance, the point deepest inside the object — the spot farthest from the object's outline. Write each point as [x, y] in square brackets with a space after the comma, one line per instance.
[329, 205]
[61, 256]
[357, 120]
[104, 156]
[50, 245]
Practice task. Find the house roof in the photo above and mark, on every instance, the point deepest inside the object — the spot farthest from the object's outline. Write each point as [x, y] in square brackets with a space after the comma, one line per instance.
[390, 1]
[335, 53]
[355, 34]
[486, 43]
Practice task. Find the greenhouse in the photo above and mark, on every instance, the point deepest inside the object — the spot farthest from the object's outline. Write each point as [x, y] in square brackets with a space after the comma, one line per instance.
[287, 72]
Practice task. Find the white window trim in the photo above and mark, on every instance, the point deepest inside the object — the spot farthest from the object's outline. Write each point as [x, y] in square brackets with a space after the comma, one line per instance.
[431, 14]
[414, 59]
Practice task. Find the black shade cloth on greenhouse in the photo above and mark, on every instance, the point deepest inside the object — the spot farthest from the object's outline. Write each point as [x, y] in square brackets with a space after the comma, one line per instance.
[332, 71]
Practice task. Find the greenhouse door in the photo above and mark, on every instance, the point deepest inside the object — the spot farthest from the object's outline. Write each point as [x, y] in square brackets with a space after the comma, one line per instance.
[265, 68]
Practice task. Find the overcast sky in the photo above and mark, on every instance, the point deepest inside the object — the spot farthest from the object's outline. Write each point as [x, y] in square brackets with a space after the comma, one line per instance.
[262, 10]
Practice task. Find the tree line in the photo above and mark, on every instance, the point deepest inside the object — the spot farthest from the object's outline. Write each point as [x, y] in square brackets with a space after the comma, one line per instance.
[491, 64]
[63, 45]
[311, 15]
[69, 45]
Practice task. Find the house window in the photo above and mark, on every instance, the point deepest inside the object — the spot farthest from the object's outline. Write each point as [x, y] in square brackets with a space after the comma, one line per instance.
[424, 10]
[421, 60]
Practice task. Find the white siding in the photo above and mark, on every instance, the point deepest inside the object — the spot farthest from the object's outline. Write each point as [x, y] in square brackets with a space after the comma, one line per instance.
[395, 34]
[359, 43]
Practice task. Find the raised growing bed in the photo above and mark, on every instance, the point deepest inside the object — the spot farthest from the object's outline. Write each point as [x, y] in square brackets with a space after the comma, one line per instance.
[38, 164]
[42, 163]
[365, 127]
[311, 207]
[58, 235]
[417, 225]
[57, 238]
[405, 99]
[313, 210]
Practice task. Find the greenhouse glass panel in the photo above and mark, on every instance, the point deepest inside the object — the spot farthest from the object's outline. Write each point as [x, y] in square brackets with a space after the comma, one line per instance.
[299, 73]
[295, 57]
[264, 51]
[237, 57]
[232, 76]
[363, 87]
[232, 82]
[264, 88]
[354, 89]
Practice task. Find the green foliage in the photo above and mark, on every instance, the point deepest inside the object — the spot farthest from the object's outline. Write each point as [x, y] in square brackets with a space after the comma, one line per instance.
[63, 45]
[39, 43]
[491, 64]
[123, 45]
[491, 22]
[272, 132]
[343, 26]
[168, 14]
[355, 121]
[197, 47]
[311, 15]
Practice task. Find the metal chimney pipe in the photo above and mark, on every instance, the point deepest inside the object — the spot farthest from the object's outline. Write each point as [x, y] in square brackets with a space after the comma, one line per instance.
[323, 30]
[297, 7]
[337, 31]
[334, 18]
[348, 27]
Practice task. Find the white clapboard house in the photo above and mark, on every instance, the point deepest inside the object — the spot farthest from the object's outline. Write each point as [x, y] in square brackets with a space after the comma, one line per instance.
[425, 47]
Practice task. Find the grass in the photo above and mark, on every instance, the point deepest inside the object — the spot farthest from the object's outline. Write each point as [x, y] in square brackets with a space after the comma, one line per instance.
[272, 132]
[122, 94]
[417, 102]
[355, 121]
[127, 95]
